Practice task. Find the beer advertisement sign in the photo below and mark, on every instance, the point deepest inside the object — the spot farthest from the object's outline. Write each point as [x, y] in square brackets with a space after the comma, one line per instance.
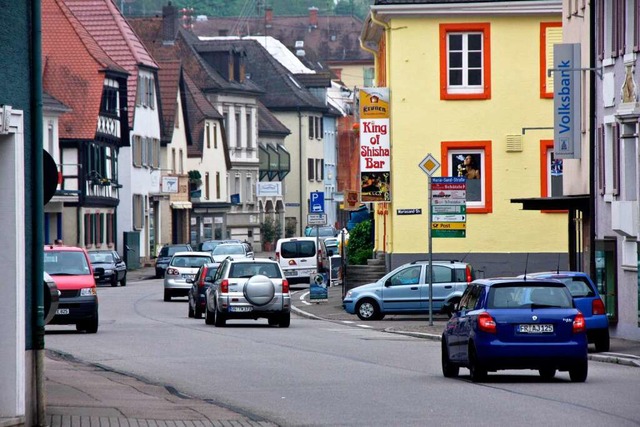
[375, 145]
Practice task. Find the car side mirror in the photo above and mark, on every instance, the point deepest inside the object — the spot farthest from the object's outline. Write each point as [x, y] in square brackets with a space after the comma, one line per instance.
[387, 283]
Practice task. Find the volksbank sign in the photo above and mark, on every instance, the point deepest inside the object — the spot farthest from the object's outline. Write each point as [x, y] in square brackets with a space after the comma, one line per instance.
[566, 100]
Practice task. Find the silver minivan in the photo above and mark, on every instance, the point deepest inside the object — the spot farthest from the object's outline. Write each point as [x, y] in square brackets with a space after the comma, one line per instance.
[298, 257]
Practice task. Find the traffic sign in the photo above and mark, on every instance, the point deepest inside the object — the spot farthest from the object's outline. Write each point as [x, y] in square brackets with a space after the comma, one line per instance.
[448, 233]
[316, 202]
[429, 165]
[448, 225]
[317, 219]
[448, 218]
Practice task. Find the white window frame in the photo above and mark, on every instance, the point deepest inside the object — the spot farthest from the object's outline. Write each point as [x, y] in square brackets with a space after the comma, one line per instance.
[465, 87]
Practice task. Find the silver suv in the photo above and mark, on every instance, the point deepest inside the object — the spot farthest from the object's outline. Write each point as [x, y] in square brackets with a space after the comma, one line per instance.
[405, 290]
[246, 288]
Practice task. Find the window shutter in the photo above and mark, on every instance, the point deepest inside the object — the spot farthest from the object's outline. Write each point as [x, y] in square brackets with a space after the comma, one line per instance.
[553, 35]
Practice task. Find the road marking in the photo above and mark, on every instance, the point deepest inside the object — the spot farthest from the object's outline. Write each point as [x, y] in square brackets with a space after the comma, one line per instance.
[303, 296]
[348, 321]
[364, 326]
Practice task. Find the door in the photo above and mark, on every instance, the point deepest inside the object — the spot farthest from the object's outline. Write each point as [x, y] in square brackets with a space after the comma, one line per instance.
[401, 292]
[442, 286]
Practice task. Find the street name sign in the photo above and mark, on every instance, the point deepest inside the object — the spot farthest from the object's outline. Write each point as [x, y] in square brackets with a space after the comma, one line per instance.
[448, 207]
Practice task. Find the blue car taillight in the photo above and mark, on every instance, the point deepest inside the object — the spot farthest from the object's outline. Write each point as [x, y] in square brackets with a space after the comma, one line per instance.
[486, 323]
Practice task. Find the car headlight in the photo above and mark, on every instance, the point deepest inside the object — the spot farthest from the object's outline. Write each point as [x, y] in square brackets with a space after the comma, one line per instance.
[349, 294]
[108, 271]
[85, 292]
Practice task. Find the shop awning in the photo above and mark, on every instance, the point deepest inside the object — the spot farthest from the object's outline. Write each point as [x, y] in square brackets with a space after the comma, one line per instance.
[580, 203]
[181, 205]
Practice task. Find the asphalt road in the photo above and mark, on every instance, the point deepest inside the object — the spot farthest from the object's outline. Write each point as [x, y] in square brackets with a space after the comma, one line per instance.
[319, 373]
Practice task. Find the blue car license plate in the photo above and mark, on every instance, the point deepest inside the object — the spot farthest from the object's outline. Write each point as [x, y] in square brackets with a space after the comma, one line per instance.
[535, 329]
[240, 309]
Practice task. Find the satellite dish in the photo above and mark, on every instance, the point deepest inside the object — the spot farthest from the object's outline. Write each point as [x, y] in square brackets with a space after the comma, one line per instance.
[49, 176]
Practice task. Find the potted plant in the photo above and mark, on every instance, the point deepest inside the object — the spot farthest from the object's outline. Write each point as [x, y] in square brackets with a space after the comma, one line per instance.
[268, 233]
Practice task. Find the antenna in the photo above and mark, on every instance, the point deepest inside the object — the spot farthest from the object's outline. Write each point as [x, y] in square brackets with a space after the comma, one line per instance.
[558, 267]
[465, 256]
[525, 267]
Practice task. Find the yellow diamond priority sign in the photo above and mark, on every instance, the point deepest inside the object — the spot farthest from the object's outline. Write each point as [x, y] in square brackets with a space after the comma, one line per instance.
[429, 165]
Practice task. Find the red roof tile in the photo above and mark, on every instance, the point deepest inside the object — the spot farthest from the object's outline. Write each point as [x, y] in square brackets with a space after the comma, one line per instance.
[106, 24]
[169, 81]
[73, 69]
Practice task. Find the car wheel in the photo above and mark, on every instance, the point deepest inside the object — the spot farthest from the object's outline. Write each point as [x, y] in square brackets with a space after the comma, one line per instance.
[602, 341]
[368, 309]
[190, 313]
[209, 316]
[167, 296]
[114, 280]
[578, 373]
[90, 326]
[547, 373]
[477, 372]
[449, 369]
[219, 319]
[285, 320]
[197, 311]
[123, 282]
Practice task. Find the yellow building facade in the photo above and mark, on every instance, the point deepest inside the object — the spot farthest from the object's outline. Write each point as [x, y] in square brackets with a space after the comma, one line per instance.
[468, 85]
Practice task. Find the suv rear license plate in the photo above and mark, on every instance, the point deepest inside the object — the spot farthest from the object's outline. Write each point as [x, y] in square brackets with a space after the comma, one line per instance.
[188, 276]
[535, 329]
[240, 309]
[62, 311]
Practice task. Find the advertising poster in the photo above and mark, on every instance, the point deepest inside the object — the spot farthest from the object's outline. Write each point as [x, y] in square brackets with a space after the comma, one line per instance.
[318, 288]
[375, 145]
[335, 266]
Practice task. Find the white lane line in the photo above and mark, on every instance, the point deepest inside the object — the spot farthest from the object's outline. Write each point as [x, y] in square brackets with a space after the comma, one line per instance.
[348, 321]
[303, 296]
[363, 326]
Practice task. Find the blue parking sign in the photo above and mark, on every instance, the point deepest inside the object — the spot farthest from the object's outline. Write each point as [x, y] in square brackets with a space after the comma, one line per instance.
[316, 202]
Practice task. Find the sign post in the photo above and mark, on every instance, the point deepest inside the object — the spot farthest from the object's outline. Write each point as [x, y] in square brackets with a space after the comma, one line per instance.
[430, 165]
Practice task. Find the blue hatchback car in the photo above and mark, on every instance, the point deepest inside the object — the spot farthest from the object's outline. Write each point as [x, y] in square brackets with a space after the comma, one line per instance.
[516, 323]
[588, 301]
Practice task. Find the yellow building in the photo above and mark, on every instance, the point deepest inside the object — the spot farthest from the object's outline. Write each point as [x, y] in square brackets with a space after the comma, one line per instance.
[468, 85]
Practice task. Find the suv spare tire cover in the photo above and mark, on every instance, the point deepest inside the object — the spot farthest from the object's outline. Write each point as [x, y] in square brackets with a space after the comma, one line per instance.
[259, 290]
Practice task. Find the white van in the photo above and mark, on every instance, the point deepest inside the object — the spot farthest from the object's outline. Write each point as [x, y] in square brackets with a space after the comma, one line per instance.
[298, 257]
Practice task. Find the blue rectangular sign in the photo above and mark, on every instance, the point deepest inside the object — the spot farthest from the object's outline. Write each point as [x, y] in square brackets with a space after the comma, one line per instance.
[316, 202]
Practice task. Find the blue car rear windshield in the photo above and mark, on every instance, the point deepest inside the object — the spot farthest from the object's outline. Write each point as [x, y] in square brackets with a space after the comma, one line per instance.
[578, 286]
[534, 296]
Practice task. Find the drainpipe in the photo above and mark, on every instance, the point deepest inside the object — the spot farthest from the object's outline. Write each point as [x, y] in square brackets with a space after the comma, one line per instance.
[37, 202]
[300, 167]
[592, 143]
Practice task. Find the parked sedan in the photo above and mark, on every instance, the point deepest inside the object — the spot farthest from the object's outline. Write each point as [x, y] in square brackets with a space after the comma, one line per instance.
[199, 285]
[516, 323]
[588, 301]
[182, 267]
[115, 269]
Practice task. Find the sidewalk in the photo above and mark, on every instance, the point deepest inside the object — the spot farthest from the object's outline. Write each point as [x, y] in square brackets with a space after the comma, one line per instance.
[81, 394]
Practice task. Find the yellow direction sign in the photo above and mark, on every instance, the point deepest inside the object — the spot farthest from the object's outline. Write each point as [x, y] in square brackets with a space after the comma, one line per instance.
[448, 225]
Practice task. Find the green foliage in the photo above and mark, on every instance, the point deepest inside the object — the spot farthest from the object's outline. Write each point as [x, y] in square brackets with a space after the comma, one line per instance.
[289, 228]
[268, 230]
[360, 247]
[194, 177]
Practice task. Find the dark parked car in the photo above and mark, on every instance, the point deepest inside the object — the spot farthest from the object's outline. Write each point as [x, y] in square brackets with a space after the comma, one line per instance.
[516, 323]
[114, 268]
[165, 255]
[588, 301]
[197, 296]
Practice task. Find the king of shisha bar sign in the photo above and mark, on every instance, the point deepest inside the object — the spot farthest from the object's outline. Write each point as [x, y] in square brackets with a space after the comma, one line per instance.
[375, 147]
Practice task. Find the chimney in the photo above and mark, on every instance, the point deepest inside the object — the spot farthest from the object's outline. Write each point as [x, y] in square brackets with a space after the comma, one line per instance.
[169, 24]
[313, 17]
[268, 17]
